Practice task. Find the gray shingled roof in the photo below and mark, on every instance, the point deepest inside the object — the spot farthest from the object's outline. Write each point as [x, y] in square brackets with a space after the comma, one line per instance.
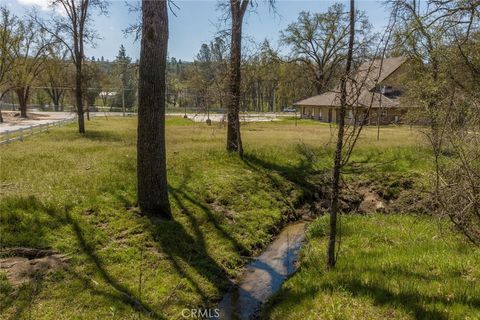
[366, 77]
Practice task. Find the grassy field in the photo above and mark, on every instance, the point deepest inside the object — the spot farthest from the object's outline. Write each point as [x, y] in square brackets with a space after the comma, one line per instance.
[389, 267]
[77, 195]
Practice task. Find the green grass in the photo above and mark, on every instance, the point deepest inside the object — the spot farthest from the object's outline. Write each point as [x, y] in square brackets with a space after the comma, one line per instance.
[77, 195]
[389, 267]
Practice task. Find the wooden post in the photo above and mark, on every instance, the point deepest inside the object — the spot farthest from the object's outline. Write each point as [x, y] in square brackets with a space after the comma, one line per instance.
[123, 101]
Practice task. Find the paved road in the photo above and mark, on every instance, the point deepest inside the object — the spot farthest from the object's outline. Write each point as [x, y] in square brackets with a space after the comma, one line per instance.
[248, 117]
[52, 117]
[46, 117]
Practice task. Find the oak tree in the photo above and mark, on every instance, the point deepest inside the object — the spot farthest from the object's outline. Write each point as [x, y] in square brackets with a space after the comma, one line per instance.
[151, 150]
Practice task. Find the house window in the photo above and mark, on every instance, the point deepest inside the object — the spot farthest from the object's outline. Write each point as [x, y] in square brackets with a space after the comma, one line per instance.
[387, 89]
[383, 113]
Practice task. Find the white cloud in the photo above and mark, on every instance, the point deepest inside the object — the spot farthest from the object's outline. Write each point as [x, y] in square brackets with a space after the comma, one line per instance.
[42, 4]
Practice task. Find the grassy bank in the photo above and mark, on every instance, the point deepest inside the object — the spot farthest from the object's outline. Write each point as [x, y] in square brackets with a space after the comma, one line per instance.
[77, 195]
[389, 267]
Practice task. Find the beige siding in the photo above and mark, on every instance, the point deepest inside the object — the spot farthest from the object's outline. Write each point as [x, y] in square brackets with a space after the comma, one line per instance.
[330, 114]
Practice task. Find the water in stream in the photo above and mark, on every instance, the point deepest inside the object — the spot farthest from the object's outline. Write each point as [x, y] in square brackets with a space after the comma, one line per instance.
[264, 275]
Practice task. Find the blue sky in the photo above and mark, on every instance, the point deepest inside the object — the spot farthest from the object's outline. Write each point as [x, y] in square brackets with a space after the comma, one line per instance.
[196, 23]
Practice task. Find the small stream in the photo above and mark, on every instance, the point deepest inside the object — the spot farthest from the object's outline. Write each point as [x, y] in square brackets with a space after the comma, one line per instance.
[264, 275]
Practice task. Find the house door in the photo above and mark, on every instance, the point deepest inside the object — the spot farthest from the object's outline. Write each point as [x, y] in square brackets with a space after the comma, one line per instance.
[329, 115]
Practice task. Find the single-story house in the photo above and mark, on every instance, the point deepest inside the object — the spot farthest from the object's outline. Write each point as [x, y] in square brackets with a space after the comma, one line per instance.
[372, 95]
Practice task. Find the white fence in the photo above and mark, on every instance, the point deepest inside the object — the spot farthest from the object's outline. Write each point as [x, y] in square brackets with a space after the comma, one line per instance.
[19, 134]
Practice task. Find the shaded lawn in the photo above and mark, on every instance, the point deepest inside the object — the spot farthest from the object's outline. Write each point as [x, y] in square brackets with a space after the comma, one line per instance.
[77, 195]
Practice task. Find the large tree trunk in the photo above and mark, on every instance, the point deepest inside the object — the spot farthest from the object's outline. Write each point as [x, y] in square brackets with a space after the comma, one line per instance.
[234, 140]
[337, 166]
[151, 153]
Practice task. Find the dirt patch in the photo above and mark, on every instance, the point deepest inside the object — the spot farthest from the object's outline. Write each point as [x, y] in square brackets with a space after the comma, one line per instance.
[391, 193]
[227, 213]
[413, 201]
[14, 116]
[7, 188]
[23, 265]
[372, 202]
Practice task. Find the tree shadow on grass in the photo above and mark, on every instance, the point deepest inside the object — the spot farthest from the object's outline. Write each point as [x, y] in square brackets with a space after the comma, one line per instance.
[104, 136]
[410, 302]
[182, 193]
[122, 292]
[413, 303]
[24, 299]
[186, 250]
[188, 256]
[189, 247]
[183, 248]
[35, 235]
[26, 222]
[300, 175]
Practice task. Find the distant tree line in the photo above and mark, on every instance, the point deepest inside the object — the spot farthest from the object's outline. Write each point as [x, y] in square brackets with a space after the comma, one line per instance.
[37, 69]
[316, 49]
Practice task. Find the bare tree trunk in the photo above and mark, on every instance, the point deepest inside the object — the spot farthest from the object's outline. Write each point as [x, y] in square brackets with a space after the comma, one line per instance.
[1, 116]
[1, 103]
[234, 140]
[318, 87]
[56, 101]
[22, 94]
[56, 96]
[337, 167]
[151, 153]
[79, 95]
